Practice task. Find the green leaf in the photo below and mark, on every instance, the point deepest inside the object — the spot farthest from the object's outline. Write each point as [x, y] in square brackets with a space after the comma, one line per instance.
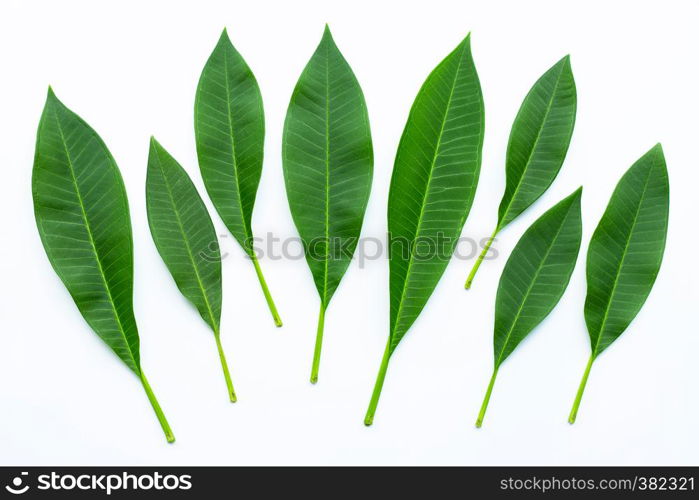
[82, 214]
[538, 145]
[625, 253]
[534, 279]
[229, 126]
[328, 162]
[186, 240]
[432, 188]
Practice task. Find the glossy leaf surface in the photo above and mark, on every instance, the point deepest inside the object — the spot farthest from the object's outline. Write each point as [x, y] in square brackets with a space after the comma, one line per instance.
[535, 276]
[186, 240]
[432, 188]
[537, 146]
[184, 234]
[82, 214]
[328, 161]
[624, 256]
[539, 140]
[433, 184]
[229, 127]
[626, 250]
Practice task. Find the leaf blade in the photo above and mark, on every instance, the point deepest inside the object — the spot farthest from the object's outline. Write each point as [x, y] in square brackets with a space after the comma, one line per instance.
[83, 219]
[627, 245]
[539, 140]
[229, 130]
[431, 162]
[536, 274]
[184, 234]
[537, 146]
[328, 163]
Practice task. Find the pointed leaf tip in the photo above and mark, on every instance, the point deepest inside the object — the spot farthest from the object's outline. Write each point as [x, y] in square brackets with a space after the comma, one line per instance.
[224, 38]
[327, 35]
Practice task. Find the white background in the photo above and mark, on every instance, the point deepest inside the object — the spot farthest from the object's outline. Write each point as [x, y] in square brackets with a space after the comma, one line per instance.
[131, 69]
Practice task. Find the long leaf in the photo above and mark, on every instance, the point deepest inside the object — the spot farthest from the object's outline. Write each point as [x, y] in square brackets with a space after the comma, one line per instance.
[186, 240]
[328, 163]
[538, 145]
[434, 180]
[534, 279]
[82, 214]
[625, 253]
[229, 126]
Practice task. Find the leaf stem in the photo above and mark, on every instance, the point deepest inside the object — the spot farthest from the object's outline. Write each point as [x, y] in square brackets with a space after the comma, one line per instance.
[581, 390]
[224, 365]
[158, 411]
[369, 418]
[486, 399]
[265, 290]
[319, 344]
[473, 272]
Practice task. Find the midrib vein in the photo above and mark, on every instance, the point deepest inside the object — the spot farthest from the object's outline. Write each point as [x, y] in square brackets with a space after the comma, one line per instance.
[424, 197]
[92, 241]
[621, 264]
[187, 246]
[327, 176]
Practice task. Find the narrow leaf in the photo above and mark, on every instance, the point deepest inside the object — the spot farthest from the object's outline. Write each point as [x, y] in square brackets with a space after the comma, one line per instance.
[229, 127]
[186, 239]
[82, 214]
[538, 145]
[434, 180]
[625, 253]
[328, 162]
[534, 279]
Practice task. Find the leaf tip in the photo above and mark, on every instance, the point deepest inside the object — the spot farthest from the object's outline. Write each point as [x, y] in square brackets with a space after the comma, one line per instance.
[224, 38]
[51, 96]
[467, 40]
[327, 35]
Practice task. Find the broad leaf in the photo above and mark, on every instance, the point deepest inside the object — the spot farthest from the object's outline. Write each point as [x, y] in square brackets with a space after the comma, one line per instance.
[534, 279]
[625, 253]
[186, 239]
[82, 214]
[229, 127]
[328, 161]
[434, 180]
[538, 145]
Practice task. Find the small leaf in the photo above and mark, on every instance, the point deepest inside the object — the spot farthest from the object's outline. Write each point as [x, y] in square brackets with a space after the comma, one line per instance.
[534, 279]
[538, 145]
[625, 253]
[328, 162]
[432, 188]
[229, 126]
[186, 239]
[82, 214]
